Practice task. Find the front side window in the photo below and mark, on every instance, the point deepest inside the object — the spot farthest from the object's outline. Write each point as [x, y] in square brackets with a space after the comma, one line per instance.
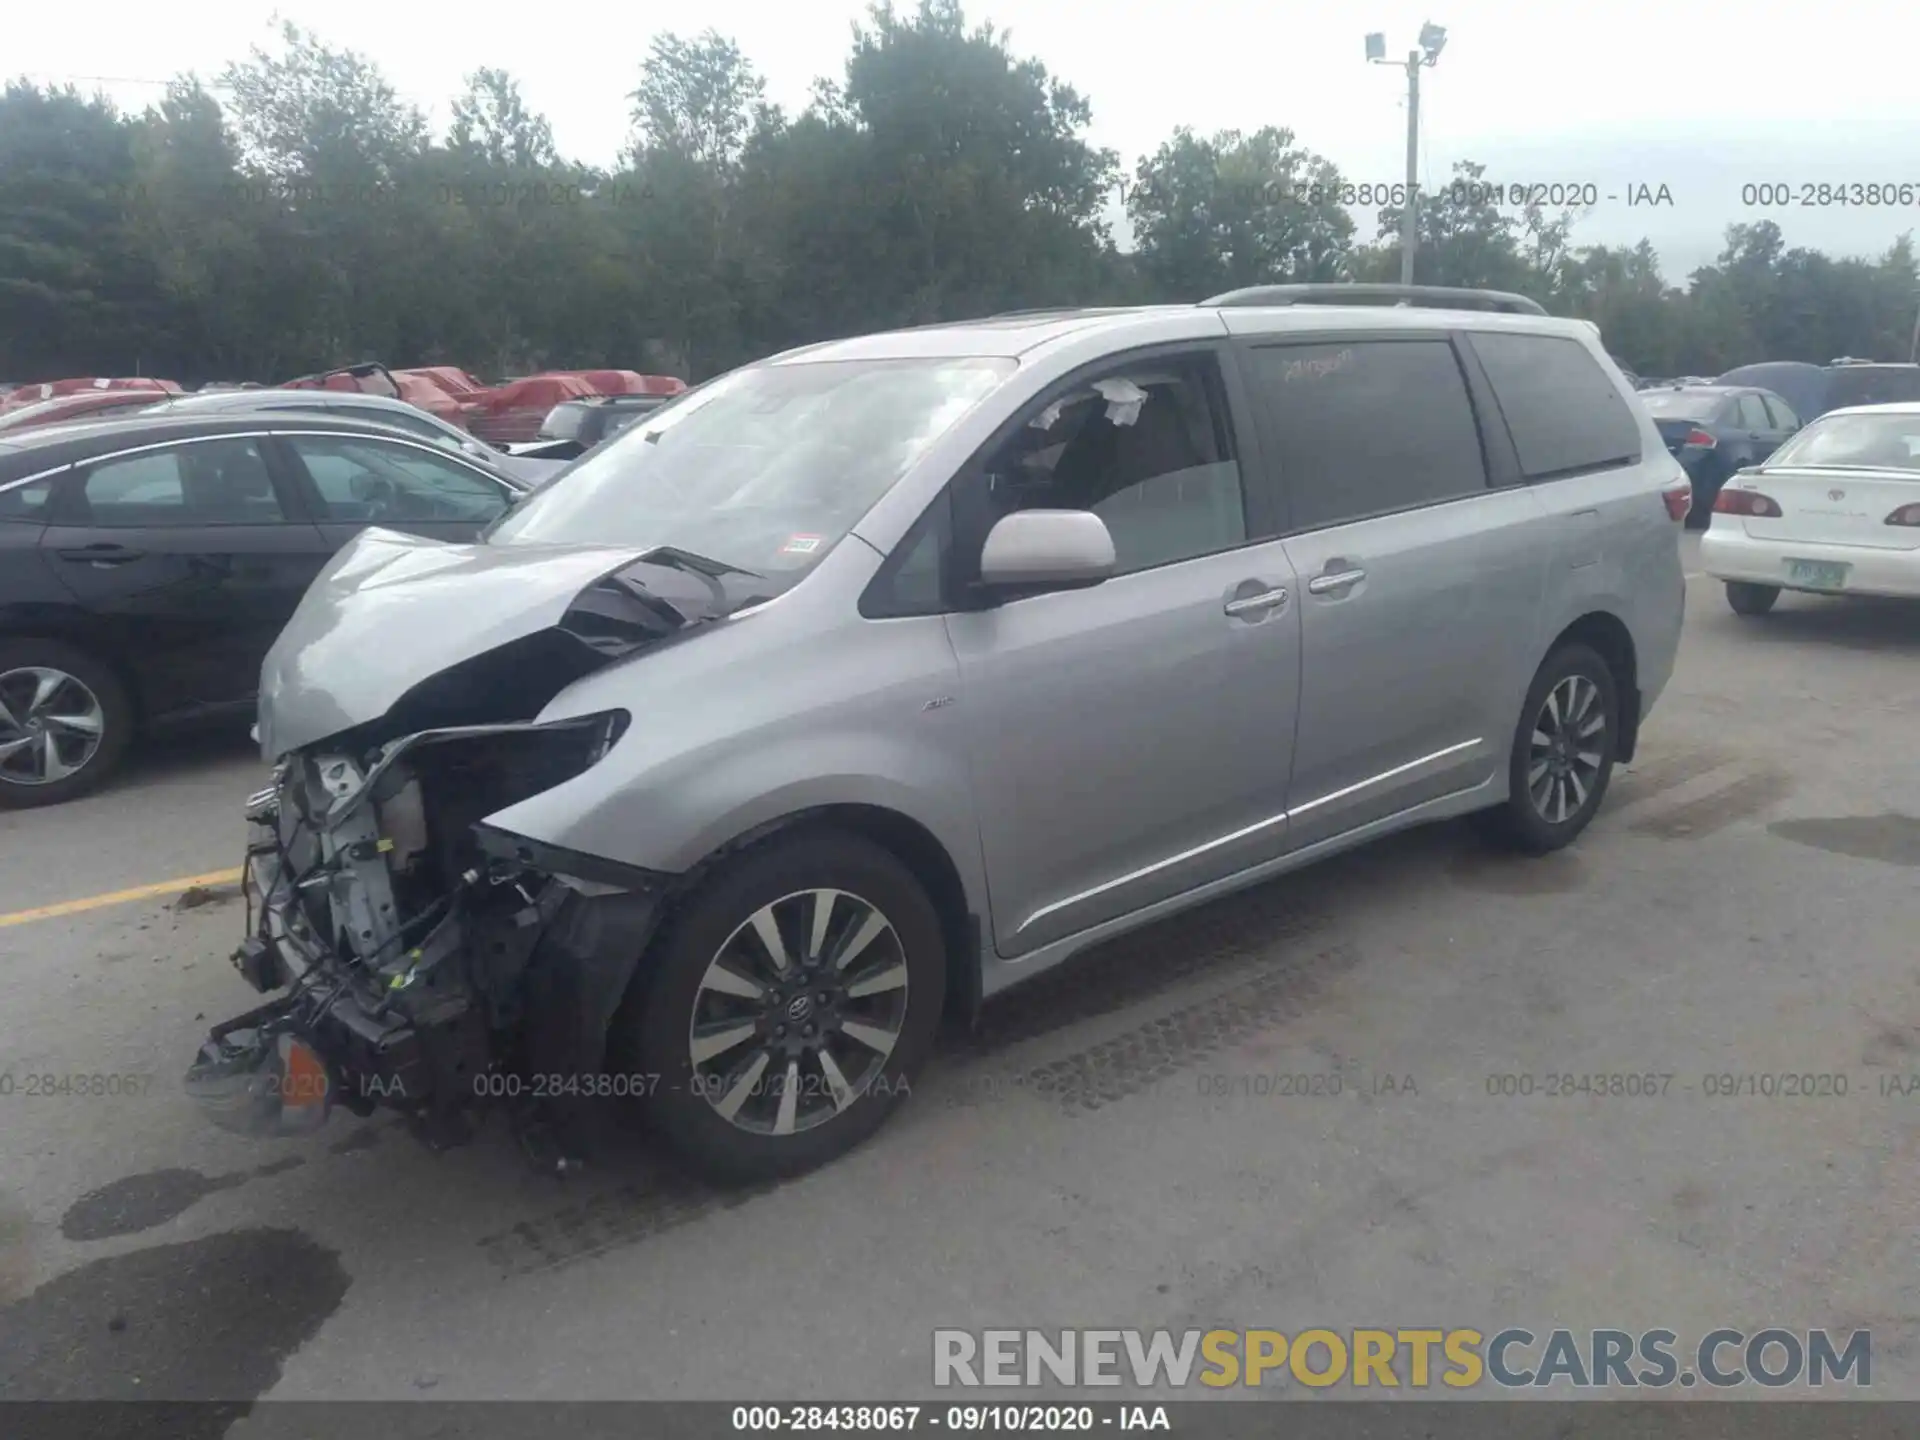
[1147, 448]
[371, 482]
[1855, 442]
[208, 482]
[1367, 427]
[765, 469]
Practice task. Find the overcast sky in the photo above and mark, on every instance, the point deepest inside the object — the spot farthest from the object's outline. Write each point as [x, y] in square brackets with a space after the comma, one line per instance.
[1703, 98]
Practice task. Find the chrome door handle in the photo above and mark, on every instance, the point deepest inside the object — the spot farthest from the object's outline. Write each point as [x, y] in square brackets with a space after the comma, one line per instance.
[1341, 580]
[1255, 604]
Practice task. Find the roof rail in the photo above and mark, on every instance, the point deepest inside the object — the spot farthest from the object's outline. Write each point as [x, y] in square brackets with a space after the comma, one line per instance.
[1436, 297]
[1061, 310]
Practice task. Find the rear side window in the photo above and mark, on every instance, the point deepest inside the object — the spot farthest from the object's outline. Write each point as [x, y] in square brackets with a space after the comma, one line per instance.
[1369, 426]
[1563, 411]
[1783, 418]
[208, 482]
[1752, 414]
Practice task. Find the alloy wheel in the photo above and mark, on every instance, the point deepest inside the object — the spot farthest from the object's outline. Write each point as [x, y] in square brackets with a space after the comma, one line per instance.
[798, 1012]
[1566, 750]
[51, 725]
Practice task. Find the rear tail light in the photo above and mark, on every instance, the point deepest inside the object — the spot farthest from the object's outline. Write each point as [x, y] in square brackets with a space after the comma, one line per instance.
[1699, 440]
[1746, 502]
[1905, 515]
[1679, 498]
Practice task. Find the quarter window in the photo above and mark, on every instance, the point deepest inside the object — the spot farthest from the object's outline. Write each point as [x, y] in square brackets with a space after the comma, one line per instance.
[1563, 411]
[1367, 427]
[1148, 449]
[208, 482]
[27, 502]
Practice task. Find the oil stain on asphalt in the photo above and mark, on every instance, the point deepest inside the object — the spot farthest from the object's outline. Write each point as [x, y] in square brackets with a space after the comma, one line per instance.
[1890, 839]
[209, 1320]
[141, 1202]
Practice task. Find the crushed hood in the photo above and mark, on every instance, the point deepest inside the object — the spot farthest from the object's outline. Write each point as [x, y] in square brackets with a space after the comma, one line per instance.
[400, 633]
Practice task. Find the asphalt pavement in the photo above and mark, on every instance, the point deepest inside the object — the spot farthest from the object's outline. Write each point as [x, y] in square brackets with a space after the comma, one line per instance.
[1111, 1149]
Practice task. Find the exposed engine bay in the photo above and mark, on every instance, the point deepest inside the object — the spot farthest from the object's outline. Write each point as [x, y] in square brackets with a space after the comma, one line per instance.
[429, 962]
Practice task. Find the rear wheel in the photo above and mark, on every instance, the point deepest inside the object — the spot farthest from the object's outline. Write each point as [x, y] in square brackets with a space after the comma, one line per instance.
[1562, 754]
[789, 1007]
[1750, 599]
[65, 722]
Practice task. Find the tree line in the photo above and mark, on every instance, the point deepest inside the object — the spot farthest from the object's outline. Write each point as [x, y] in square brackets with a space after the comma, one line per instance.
[311, 217]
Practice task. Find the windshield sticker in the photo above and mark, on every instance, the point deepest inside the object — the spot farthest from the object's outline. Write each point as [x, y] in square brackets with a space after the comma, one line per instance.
[1124, 399]
[802, 544]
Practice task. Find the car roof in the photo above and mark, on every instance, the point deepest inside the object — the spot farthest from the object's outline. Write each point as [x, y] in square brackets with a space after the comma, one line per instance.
[52, 446]
[1009, 336]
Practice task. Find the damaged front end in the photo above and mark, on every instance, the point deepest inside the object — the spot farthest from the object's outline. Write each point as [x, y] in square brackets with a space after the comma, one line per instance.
[429, 962]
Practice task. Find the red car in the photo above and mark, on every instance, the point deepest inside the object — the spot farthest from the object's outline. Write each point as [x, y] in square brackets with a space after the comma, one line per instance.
[626, 382]
[513, 411]
[82, 385]
[73, 406]
[450, 378]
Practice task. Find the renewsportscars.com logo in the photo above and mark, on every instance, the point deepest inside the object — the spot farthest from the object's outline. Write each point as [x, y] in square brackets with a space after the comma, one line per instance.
[1414, 1359]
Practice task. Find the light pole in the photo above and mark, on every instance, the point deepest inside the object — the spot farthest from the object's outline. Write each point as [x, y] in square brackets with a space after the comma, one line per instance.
[1433, 39]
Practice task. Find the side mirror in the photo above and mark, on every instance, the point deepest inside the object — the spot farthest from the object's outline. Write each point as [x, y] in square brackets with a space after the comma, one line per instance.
[1047, 549]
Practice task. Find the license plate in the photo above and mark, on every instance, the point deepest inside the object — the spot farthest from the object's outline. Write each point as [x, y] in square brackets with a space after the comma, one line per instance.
[1817, 574]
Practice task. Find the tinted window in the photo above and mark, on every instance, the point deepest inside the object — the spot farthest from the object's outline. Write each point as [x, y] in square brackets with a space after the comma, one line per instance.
[1783, 418]
[369, 481]
[1368, 427]
[26, 502]
[1147, 449]
[1752, 414]
[1562, 410]
[1872, 385]
[209, 482]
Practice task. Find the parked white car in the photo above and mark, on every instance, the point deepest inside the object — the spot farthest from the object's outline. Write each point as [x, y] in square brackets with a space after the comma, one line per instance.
[1833, 511]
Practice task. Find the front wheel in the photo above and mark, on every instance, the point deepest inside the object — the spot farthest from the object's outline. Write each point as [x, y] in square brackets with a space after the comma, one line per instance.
[1750, 599]
[789, 1006]
[1563, 749]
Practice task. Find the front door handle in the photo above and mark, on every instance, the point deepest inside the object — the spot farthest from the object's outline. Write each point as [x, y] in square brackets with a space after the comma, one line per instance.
[1257, 604]
[1336, 582]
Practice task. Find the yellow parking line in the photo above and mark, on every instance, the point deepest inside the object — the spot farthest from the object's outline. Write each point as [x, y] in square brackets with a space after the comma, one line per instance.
[118, 897]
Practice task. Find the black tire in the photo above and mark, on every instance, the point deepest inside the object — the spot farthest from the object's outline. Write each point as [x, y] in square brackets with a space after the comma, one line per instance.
[115, 714]
[1524, 822]
[1750, 599]
[655, 1025]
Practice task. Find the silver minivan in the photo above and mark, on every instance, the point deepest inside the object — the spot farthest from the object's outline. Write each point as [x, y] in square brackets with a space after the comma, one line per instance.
[870, 680]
